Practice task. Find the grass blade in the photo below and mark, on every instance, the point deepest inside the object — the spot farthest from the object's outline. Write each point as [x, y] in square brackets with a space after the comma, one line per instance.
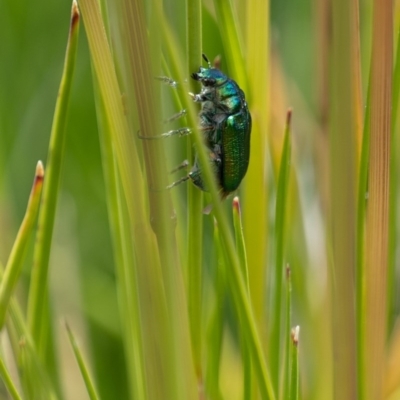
[36, 302]
[82, 365]
[14, 264]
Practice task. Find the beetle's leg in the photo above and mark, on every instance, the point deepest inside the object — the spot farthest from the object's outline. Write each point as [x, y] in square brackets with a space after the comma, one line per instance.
[173, 132]
[179, 181]
[182, 165]
[176, 116]
[167, 80]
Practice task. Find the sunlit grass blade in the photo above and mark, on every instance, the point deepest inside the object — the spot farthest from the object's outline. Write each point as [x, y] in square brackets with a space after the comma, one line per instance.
[394, 191]
[15, 260]
[288, 337]
[275, 345]
[216, 323]
[342, 213]
[124, 260]
[241, 250]
[229, 29]
[195, 200]
[37, 306]
[255, 200]
[6, 378]
[294, 362]
[82, 365]
[377, 224]
[240, 245]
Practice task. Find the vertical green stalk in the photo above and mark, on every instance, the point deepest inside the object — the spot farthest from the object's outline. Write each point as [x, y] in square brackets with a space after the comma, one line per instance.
[37, 307]
[195, 202]
[294, 361]
[241, 250]
[342, 193]
[275, 344]
[360, 237]
[255, 206]
[216, 326]
[394, 192]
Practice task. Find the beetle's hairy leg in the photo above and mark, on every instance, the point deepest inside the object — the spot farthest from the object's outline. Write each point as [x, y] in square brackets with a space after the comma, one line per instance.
[176, 116]
[173, 132]
[167, 80]
[182, 165]
[178, 182]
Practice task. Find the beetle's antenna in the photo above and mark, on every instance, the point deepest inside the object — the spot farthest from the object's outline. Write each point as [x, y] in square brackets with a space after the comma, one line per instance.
[206, 60]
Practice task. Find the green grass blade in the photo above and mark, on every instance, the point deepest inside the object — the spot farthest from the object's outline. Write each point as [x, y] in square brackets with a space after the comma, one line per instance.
[394, 192]
[229, 29]
[288, 335]
[216, 325]
[5, 376]
[82, 365]
[255, 207]
[14, 264]
[240, 245]
[124, 260]
[294, 362]
[360, 236]
[278, 273]
[241, 250]
[36, 301]
[195, 200]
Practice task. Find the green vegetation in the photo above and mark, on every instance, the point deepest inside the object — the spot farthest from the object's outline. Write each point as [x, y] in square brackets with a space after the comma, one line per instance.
[113, 287]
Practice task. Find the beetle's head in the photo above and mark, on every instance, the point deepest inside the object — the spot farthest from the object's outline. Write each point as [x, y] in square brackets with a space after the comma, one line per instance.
[209, 76]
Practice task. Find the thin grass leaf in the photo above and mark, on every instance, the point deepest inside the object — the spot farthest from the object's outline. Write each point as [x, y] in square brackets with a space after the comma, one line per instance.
[342, 217]
[240, 245]
[229, 29]
[216, 324]
[37, 299]
[294, 362]
[124, 260]
[360, 234]
[394, 193]
[82, 365]
[241, 250]
[5, 376]
[288, 336]
[255, 201]
[279, 267]
[195, 200]
[18, 252]
[378, 200]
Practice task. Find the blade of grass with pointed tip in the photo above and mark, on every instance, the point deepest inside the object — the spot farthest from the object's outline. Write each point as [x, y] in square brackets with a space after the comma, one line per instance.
[275, 346]
[39, 279]
[15, 260]
[5, 376]
[294, 362]
[82, 365]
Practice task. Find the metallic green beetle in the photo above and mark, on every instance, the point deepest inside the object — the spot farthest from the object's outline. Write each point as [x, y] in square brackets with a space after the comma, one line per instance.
[225, 123]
